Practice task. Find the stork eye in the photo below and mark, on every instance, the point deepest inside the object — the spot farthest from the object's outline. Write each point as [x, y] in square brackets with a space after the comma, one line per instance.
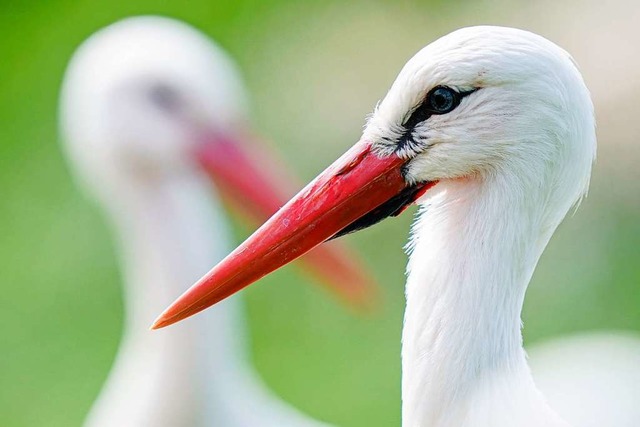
[164, 97]
[442, 100]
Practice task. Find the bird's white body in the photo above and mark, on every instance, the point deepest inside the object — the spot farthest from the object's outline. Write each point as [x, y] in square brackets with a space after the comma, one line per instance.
[169, 227]
[511, 160]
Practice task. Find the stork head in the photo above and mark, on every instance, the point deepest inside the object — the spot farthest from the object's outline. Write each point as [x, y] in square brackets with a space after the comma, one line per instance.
[479, 103]
[141, 95]
[148, 100]
[489, 100]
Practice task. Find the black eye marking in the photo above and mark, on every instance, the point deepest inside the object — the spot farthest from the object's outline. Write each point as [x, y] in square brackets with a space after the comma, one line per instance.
[439, 100]
[164, 97]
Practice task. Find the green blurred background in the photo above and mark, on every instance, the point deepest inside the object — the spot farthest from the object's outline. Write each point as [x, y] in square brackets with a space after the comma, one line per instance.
[315, 69]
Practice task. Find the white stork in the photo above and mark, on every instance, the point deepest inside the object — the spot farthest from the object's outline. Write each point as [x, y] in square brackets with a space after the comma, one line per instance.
[491, 131]
[150, 111]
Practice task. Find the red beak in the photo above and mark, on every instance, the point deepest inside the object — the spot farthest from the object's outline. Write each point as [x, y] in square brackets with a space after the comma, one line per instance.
[358, 190]
[256, 185]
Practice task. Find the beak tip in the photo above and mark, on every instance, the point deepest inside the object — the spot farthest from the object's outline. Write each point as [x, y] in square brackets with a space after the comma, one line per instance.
[161, 322]
[157, 324]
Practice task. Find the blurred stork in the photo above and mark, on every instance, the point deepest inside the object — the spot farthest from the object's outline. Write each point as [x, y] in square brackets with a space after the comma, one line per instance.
[150, 111]
[491, 131]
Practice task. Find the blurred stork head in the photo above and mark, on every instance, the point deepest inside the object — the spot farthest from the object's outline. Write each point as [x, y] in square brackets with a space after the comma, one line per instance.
[141, 95]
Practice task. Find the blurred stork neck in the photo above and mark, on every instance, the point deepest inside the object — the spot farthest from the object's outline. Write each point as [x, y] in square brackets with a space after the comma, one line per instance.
[170, 230]
[167, 242]
[477, 242]
[170, 235]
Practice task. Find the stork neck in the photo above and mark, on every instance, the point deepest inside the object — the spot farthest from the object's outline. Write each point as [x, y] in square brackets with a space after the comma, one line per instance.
[169, 234]
[167, 242]
[476, 244]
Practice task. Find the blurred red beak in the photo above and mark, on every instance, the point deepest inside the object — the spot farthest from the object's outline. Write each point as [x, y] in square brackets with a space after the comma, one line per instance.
[257, 186]
[358, 190]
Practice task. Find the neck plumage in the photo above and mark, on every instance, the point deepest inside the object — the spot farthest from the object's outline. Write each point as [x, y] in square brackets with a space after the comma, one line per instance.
[474, 249]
